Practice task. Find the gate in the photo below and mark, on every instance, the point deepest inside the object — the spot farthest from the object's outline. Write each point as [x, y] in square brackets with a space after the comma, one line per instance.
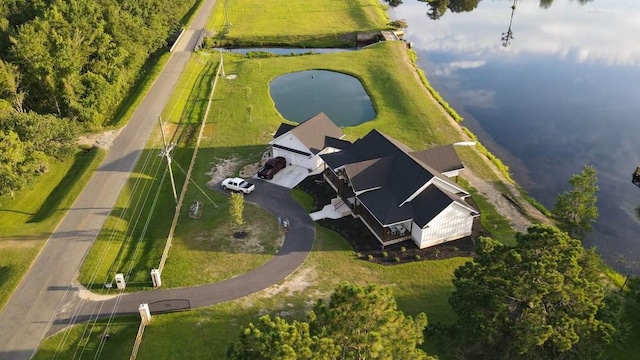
[171, 305]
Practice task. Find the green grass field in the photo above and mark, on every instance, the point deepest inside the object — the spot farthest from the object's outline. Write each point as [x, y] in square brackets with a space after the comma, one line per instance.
[27, 220]
[300, 23]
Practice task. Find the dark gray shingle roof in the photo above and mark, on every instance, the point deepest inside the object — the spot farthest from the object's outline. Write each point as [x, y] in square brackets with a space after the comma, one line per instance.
[389, 173]
[441, 158]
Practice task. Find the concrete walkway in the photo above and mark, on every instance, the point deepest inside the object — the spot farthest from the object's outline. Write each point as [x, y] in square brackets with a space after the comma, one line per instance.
[45, 290]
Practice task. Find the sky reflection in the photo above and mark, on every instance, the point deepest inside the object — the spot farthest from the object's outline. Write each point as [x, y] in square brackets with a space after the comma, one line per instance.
[563, 94]
[598, 32]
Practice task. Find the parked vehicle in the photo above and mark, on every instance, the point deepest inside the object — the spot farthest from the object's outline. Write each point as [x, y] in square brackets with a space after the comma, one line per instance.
[272, 167]
[238, 184]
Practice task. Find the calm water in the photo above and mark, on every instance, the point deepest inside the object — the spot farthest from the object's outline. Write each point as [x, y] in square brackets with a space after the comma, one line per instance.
[299, 96]
[563, 93]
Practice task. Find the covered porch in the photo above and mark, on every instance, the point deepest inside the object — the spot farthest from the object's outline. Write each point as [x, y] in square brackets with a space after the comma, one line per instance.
[386, 235]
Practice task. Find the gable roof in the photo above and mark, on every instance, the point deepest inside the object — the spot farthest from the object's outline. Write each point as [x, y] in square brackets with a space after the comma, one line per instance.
[431, 202]
[283, 129]
[441, 158]
[402, 174]
[386, 174]
[313, 132]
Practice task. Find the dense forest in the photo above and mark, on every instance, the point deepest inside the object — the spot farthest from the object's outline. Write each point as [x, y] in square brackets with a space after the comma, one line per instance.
[65, 65]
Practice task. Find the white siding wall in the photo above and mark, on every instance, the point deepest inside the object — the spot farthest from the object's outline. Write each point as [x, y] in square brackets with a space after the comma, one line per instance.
[290, 141]
[453, 223]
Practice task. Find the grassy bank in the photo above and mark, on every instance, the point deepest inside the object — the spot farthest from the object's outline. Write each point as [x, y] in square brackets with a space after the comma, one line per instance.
[27, 220]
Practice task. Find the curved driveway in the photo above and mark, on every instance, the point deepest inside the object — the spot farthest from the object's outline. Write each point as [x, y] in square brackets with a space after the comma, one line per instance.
[298, 242]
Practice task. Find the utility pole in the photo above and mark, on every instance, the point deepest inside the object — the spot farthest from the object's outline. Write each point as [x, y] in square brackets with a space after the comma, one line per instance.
[166, 153]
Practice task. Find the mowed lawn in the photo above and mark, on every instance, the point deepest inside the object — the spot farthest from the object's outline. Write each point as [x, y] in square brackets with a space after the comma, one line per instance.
[299, 22]
[27, 220]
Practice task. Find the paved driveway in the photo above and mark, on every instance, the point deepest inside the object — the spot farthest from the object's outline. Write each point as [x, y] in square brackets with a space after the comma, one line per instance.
[297, 245]
[292, 175]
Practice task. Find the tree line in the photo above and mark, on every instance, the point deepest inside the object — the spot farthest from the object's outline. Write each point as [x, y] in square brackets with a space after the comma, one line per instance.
[68, 64]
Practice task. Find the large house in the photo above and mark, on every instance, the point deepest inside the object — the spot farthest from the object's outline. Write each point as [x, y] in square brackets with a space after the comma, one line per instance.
[398, 193]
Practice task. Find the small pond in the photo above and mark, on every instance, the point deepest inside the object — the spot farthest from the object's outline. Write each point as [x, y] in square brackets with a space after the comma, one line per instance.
[301, 95]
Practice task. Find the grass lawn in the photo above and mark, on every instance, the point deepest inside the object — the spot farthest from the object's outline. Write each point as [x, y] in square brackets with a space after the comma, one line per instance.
[27, 220]
[295, 23]
[206, 333]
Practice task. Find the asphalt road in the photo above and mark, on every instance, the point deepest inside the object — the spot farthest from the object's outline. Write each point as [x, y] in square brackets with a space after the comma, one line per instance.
[46, 289]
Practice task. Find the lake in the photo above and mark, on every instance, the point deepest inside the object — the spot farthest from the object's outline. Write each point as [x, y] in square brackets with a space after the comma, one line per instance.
[548, 87]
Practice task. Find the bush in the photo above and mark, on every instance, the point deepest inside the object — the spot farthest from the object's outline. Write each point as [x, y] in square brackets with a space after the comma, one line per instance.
[396, 259]
[417, 257]
[369, 257]
[385, 254]
[403, 249]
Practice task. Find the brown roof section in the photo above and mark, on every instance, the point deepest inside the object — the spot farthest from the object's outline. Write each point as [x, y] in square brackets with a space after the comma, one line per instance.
[441, 158]
[313, 131]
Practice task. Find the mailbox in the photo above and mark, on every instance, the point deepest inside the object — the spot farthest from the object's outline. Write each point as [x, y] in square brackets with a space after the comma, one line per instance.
[120, 283]
[155, 278]
[145, 314]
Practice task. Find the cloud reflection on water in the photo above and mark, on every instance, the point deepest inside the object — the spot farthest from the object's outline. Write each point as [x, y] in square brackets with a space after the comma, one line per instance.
[603, 32]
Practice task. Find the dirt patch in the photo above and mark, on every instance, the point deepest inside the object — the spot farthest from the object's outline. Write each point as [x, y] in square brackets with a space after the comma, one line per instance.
[85, 294]
[8, 243]
[297, 282]
[250, 170]
[222, 169]
[505, 207]
[247, 245]
[102, 140]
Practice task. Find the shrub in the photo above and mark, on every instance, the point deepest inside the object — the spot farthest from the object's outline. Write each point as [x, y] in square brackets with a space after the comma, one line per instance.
[403, 249]
[417, 257]
[385, 254]
[369, 257]
[396, 259]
